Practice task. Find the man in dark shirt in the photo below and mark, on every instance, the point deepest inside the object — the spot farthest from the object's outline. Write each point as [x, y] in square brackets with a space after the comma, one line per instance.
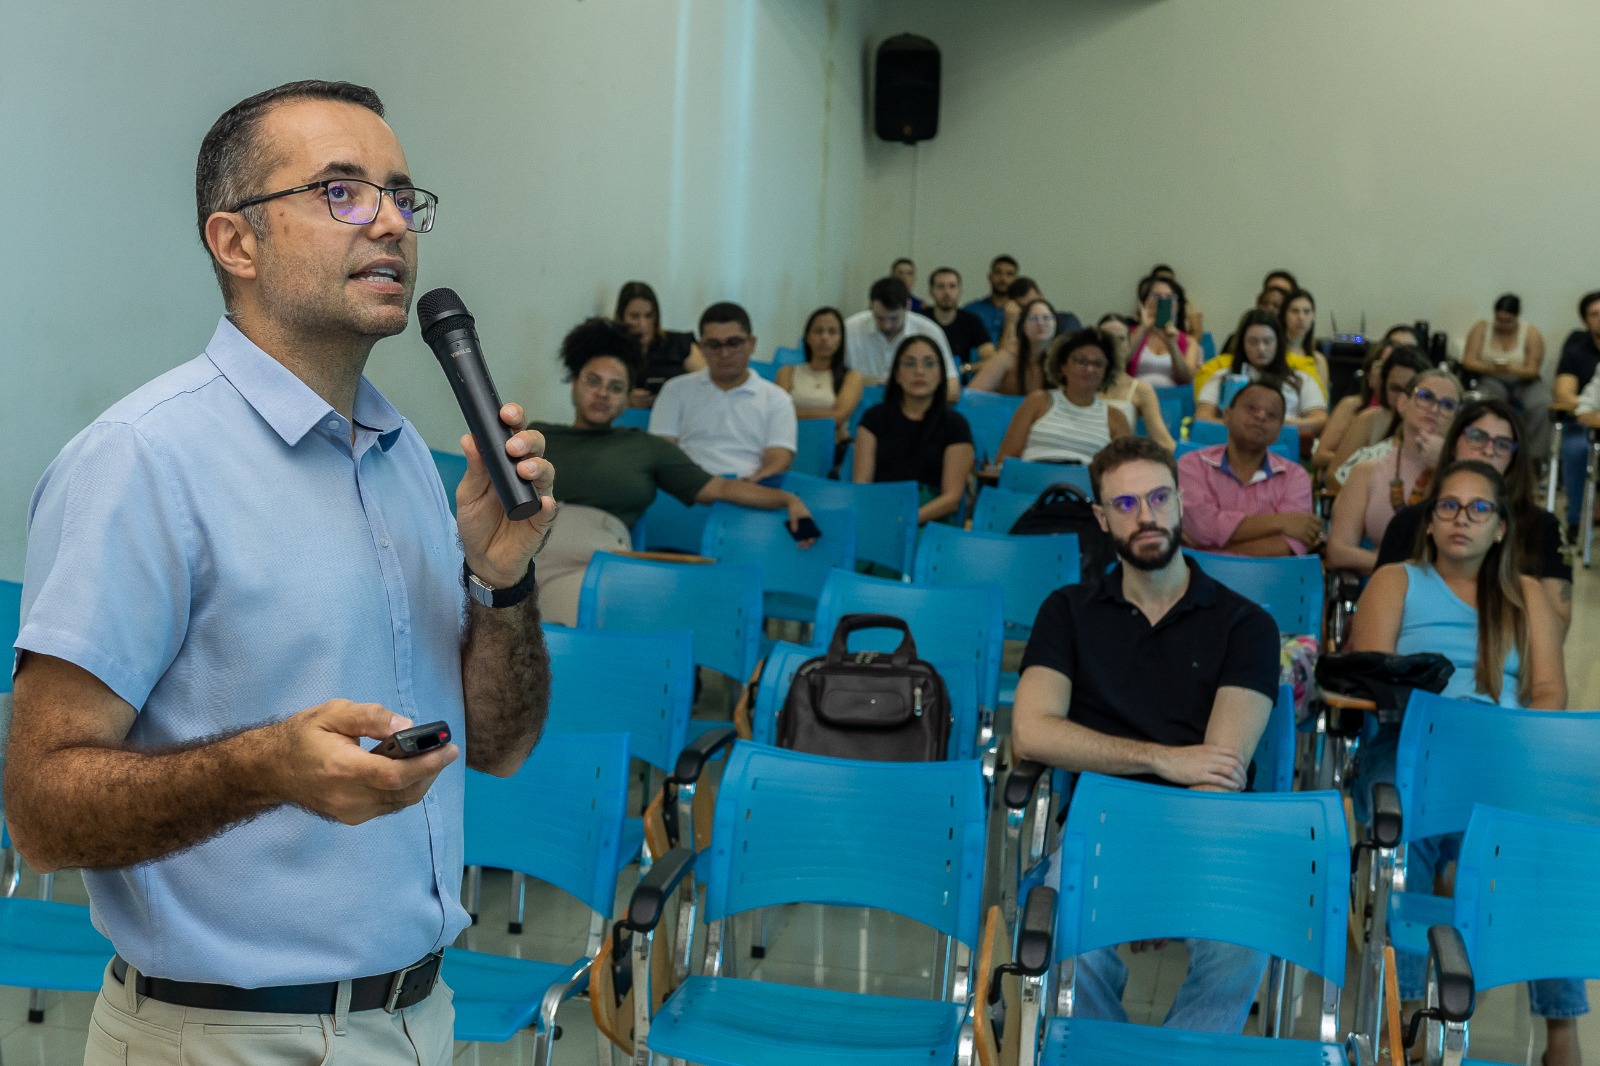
[1580, 355]
[1157, 673]
[991, 309]
[968, 336]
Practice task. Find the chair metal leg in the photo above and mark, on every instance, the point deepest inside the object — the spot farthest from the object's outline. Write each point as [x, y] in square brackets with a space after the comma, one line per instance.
[35, 1005]
[519, 897]
[1272, 1013]
[472, 896]
[1586, 534]
[758, 933]
[1369, 989]
[1557, 431]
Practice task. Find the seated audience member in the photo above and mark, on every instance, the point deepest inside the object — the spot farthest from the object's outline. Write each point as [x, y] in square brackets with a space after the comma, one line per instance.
[1507, 355]
[1281, 280]
[1071, 422]
[915, 435]
[727, 419]
[1372, 432]
[1017, 367]
[613, 473]
[1378, 487]
[1580, 355]
[991, 309]
[1271, 299]
[663, 354]
[906, 271]
[1024, 291]
[1193, 321]
[1134, 398]
[1490, 431]
[964, 331]
[1158, 673]
[822, 387]
[1119, 328]
[1239, 497]
[1162, 354]
[1300, 337]
[873, 336]
[1368, 394]
[1460, 594]
[1264, 358]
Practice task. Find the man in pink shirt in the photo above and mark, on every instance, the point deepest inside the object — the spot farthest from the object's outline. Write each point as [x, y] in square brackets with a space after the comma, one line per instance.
[1240, 498]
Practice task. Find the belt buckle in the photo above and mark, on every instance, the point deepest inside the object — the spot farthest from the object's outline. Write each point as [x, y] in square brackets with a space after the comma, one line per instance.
[398, 986]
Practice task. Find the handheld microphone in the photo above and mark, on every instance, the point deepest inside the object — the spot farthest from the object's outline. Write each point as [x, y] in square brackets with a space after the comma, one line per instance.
[449, 329]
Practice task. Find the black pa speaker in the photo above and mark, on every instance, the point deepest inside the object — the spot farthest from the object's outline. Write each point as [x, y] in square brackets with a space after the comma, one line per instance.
[906, 89]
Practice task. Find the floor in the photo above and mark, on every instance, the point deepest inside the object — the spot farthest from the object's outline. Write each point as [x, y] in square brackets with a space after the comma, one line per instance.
[852, 949]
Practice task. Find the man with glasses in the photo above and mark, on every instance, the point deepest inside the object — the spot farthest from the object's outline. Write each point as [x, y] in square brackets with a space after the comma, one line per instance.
[873, 336]
[1158, 673]
[240, 578]
[728, 420]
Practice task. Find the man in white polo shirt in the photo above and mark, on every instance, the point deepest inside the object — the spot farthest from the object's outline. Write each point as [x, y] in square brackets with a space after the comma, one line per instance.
[871, 337]
[728, 420]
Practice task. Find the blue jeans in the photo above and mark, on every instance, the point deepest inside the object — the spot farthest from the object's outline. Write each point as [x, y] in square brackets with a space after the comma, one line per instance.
[1555, 997]
[1574, 467]
[1215, 996]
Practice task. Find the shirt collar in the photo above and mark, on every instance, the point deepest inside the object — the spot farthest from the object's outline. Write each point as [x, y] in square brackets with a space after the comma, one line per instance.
[1202, 590]
[1216, 457]
[285, 402]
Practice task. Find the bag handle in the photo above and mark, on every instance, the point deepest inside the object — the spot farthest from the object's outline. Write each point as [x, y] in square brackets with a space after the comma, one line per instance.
[850, 623]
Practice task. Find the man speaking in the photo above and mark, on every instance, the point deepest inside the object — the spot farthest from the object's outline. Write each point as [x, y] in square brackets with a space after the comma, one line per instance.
[235, 575]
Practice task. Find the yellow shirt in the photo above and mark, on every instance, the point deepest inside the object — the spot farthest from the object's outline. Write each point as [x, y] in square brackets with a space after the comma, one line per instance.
[1220, 365]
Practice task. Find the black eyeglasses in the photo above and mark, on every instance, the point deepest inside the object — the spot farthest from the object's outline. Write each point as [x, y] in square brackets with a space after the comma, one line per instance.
[1477, 511]
[1503, 446]
[356, 202]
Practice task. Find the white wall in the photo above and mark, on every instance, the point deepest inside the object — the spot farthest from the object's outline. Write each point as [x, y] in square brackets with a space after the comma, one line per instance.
[707, 146]
[1410, 160]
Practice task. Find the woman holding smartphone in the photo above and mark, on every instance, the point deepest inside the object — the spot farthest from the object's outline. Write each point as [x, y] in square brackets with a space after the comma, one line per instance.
[1162, 354]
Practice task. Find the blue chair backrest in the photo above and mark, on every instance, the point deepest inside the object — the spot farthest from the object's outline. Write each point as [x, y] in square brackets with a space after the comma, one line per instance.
[641, 684]
[904, 837]
[737, 534]
[1235, 867]
[1027, 569]
[958, 623]
[1288, 588]
[974, 399]
[1524, 897]
[10, 622]
[814, 446]
[452, 468]
[720, 604]
[1231, 384]
[668, 525]
[1287, 445]
[785, 659]
[1177, 403]
[760, 369]
[558, 818]
[633, 418]
[1180, 448]
[988, 425]
[1274, 757]
[788, 356]
[1208, 345]
[886, 514]
[871, 396]
[997, 509]
[1457, 753]
[1019, 476]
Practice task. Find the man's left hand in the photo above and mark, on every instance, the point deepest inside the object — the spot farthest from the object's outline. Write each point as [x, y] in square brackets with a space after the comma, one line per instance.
[497, 548]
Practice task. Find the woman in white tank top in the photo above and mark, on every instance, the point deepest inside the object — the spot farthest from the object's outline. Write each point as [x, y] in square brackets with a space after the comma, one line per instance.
[1072, 422]
[1507, 355]
[821, 387]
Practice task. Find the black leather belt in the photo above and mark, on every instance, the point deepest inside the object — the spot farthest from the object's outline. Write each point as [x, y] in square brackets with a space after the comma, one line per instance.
[391, 991]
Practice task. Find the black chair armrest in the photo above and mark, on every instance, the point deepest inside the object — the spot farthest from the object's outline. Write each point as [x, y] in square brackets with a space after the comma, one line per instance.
[650, 897]
[1021, 781]
[1447, 954]
[1035, 932]
[693, 758]
[1386, 820]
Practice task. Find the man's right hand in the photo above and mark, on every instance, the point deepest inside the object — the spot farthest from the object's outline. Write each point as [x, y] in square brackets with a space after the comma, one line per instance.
[316, 761]
[1202, 764]
[1303, 527]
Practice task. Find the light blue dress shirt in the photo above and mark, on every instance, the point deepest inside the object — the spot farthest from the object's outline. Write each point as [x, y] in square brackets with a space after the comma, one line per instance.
[215, 551]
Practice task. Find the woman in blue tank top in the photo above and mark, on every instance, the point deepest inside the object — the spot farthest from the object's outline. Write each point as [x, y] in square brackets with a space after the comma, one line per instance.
[1463, 594]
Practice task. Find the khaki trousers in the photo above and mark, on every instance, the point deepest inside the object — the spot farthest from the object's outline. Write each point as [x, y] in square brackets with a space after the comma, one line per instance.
[579, 532]
[129, 1030]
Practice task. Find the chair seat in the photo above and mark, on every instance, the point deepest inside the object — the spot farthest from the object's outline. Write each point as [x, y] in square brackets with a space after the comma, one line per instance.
[496, 996]
[725, 1021]
[632, 841]
[1085, 1041]
[790, 606]
[1410, 916]
[50, 945]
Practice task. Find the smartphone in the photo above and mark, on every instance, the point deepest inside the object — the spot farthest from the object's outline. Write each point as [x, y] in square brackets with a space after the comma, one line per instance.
[416, 740]
[1163, 312]
[805, 529]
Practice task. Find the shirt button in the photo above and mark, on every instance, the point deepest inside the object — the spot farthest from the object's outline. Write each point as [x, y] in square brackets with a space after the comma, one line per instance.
[333, 423]
[383, 543]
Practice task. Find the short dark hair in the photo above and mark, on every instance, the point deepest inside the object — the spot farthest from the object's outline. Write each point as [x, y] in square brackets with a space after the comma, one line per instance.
[1266, 282]
[997, 260]
[945, 270]
[1126, 450]
[891, 292]
[1510, 303]
[596, 337]
[725, 311]
[907, 260]
[233, 160]
[1164, 268]
[1021, 287]
[1269, 384]
[1588, 298]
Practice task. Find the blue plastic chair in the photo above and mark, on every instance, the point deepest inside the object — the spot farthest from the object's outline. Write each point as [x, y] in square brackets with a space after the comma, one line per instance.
[791, 577]
[788, 356]
[767, 371]
[1288, 588]
[997, 510]
[1271, 872]
[1206, 433]
[670, 526]
[720, 604]
[633, 418]
[1274, 757]
[871, 396]
[976, 399]
[1208, 345]
[886, 514]
[11, 620]
[1027, 569]
[641, 684]
[560, 818]
[1177, 404]
[988, 426]
[46, 946]
[814, 446]
[1019, 476]
[452, 468]
[1180, 448]
[790, 828]
[1231, 384]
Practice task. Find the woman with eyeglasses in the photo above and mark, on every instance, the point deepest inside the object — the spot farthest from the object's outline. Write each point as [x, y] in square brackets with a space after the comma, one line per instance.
[1491, 431]
[1021, 372]
[611, 474]
[663, 354]
[1368, 394]
[1463, 594]
[1373, 432]
[1072, 422]
[1379, 487]
[915, 435]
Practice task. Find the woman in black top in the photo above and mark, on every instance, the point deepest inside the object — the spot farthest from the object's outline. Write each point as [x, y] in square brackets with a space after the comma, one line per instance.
[913, 435]
[663, 354]
[1491, 431]
[1580, 355]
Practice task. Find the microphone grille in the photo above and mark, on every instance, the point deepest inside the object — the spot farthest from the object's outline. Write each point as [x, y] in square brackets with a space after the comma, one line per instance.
[438, 305]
